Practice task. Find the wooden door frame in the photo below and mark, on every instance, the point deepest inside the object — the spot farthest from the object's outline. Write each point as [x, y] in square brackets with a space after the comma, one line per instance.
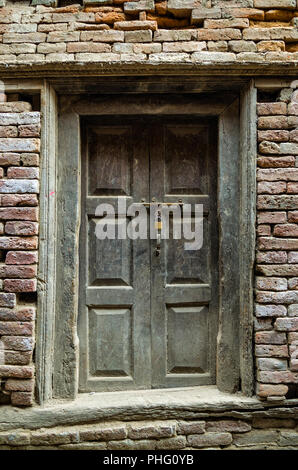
[57, 377]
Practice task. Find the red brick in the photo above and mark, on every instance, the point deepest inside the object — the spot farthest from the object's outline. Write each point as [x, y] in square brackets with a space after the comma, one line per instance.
[21, 257]
[20, 285]
[16, 328]
[270, 337]
[21, 398]
[20, 243]
[263, 324]
[272, 217]
[7, 300]
[18, 343]
[277, 202]
[269, 187]
[264, 311]
[286, 324]
[293, 257]
[272, 257]
[293, 283]
[286, 230]
[8, 131]
[20, 385]
[285, 297]
[271, 109]
[264, 230]
[276, 162]
[277, 377]
[19, 314]
[273, 122]
[19, 213]
[7, 159]
[30, 130]
[18, 200]
[293, 216]
[21, 228]
[13, 271]
[269, 350]
[23, 172]
[270, 243]
[292, 188]
[18, 358]
[273, 136]
[227, 425]
[278, 175]
[16, 371]
[271, 283]
[271, 390]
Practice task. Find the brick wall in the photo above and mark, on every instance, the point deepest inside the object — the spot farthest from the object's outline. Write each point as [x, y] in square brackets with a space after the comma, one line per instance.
[260, 431]
[147, 31]
[276, 306]
[19, 159]
[153, 32]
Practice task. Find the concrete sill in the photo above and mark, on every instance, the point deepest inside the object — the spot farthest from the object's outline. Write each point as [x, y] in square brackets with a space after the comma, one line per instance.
[182, 403]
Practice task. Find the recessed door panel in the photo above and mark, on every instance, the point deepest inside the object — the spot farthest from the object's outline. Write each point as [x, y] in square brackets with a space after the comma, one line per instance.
[148, 321]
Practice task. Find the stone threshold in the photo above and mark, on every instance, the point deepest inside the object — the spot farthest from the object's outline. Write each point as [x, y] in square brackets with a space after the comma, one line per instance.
[185, 403]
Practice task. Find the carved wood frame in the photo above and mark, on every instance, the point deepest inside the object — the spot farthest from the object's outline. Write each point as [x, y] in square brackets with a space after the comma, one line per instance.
[57, 342]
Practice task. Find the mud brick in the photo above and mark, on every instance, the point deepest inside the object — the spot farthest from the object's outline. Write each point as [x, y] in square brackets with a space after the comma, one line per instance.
[20, 285]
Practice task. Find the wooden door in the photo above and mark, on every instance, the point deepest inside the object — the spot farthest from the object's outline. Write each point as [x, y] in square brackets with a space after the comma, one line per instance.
[147, 321]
